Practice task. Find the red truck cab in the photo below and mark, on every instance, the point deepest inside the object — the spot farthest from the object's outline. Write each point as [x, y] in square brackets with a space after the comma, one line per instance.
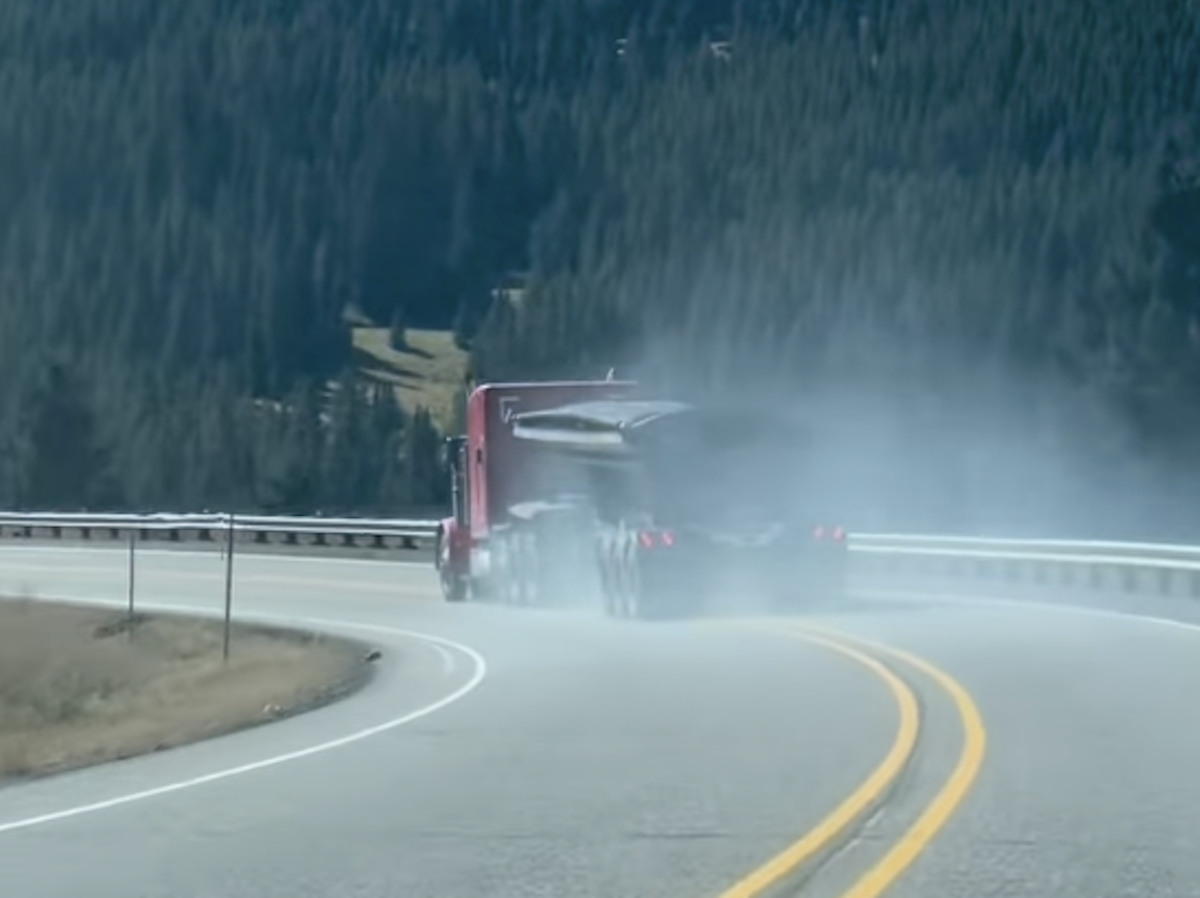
[493, 473]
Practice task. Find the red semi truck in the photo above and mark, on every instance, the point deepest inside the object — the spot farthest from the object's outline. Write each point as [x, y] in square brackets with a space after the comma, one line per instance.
[565, 490]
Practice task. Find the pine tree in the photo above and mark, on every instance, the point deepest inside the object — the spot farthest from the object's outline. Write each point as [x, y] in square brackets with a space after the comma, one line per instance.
[427, 479]
[69, 467]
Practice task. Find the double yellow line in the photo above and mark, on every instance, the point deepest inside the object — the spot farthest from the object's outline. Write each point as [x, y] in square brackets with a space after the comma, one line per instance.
[854, 809]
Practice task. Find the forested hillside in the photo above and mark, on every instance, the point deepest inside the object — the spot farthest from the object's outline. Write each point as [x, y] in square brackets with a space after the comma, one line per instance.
[963, 236]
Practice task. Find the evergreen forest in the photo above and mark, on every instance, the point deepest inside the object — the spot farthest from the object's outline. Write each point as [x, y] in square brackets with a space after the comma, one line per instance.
[960, 237]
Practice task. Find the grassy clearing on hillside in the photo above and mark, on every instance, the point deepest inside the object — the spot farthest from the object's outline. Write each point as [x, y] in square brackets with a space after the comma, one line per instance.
[427, 372]
[78, 687]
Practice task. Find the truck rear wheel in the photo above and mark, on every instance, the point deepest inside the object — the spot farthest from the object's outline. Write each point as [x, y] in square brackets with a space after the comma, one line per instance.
[618, 580]
[632, 605]
[637, 584]
[638, 597]
[526, 574]
[506, 575]
[454, 588]
[515, 576]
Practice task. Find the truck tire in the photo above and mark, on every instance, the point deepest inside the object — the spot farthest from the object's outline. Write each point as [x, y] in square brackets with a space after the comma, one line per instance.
[500, 579]
[612, 578]
[632, 606]
[628, 592]
[453, 586]
[606, 575]
[527, 576]
[516, 572]
[638, 601]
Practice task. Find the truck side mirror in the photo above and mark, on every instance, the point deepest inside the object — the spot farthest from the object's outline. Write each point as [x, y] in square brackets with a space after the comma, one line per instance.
[451, 446]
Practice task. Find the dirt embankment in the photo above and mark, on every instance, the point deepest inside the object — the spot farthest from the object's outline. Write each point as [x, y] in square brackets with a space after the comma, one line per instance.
[79, 686]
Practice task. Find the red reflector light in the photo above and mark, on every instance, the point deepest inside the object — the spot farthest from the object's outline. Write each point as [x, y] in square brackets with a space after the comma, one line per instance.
[819, 533]
[839, 534]
[649, 539]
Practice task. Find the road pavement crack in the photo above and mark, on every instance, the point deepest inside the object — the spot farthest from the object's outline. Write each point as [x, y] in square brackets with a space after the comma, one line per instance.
[860, 832]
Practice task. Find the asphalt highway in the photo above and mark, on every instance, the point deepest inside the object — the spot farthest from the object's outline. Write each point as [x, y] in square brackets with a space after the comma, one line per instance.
[506, 752]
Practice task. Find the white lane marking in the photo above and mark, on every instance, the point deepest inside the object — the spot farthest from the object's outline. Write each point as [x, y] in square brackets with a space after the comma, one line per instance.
[438, 644]
[478, 674]
[214, 554]
[1036, 606]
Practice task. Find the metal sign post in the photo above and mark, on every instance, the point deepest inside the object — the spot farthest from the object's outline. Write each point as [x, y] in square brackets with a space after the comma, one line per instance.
[228, 586]
[132, 576]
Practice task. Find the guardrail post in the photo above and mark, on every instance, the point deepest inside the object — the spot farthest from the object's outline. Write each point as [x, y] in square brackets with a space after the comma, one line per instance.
[228, 587]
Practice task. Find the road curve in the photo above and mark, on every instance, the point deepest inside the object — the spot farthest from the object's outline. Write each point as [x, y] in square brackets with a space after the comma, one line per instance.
[1090, 784]
[534, 753]
[581, 757]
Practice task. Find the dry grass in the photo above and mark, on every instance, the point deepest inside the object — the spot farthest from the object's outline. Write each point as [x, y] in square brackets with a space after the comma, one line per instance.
[427, 373]
[79, 687]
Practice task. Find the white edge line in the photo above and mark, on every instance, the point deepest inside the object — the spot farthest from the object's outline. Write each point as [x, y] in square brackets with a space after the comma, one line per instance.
[478, 674]
[1030, 605]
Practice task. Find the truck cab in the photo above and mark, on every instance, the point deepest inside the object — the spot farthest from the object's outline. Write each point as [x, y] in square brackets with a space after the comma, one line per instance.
[498, 482]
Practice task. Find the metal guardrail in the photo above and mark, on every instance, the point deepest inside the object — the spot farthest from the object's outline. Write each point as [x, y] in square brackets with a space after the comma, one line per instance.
[1006, 559]
[220, 529]
[410, 533]
[376, 533]
[1056, 551]
[1093, 566]
[932, 561]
